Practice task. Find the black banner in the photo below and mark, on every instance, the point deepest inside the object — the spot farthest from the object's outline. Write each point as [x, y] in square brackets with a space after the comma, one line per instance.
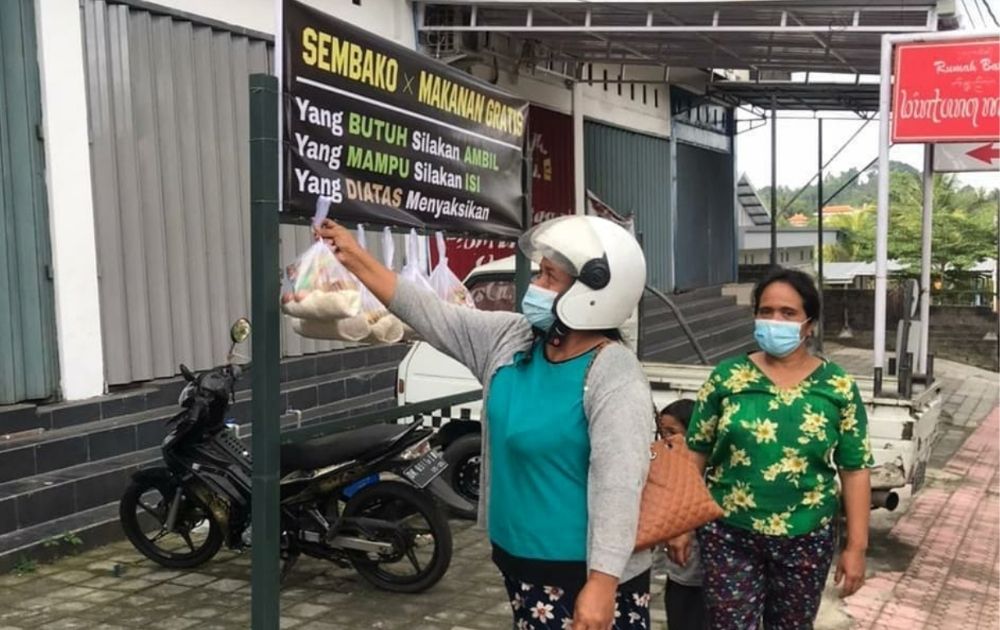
[394, 137]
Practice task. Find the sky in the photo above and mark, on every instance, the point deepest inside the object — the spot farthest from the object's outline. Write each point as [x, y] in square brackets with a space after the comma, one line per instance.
[797, 139]
[797, 159]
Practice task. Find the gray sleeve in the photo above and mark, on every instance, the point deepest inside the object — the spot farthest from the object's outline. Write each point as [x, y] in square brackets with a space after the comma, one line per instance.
[619, 409]
[473, 338]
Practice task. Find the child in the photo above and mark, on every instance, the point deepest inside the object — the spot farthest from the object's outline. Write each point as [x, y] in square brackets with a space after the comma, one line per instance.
[683, 597]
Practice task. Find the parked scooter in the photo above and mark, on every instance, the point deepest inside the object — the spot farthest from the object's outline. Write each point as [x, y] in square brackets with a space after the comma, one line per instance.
[335, 504]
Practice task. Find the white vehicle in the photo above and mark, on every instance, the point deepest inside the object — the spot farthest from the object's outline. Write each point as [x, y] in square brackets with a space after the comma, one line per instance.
[902, 431]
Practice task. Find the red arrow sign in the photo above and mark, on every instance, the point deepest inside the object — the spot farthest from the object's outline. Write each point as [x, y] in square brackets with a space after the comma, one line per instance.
[985, 153]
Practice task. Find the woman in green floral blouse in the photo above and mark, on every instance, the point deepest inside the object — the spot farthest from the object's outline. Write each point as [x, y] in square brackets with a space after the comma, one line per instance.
[774, 429]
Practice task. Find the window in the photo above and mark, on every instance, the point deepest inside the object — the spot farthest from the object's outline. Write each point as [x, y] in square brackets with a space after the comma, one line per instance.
[492, 294]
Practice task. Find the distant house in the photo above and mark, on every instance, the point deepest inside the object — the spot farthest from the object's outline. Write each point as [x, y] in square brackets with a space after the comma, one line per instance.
[798, 220]
[796, 246]
[832, 211]
[855, 275]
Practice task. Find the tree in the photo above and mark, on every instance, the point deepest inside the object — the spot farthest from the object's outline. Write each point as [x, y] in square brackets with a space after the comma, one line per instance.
[964, 227]
[852, 244]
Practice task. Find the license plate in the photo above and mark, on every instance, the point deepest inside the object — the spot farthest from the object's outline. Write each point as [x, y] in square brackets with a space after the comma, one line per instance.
[426, 469]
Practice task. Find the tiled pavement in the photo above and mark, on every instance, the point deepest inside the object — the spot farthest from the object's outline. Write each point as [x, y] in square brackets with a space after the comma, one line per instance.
[933, 562]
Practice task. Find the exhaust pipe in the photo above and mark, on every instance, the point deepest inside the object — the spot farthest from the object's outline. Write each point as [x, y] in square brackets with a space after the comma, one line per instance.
[887, 499]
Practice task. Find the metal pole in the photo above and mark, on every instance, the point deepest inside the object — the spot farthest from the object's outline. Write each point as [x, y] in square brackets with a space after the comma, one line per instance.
[265, 408]
[522, 265]
[925, 258]
[579, 158]
[882, 218]
[819, 240]
[774, 182]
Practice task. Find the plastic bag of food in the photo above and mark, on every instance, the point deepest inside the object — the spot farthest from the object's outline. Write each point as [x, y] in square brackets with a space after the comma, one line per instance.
[444, 281]
[318, 286]
[385, 327]
[413, 270]
[415, 273]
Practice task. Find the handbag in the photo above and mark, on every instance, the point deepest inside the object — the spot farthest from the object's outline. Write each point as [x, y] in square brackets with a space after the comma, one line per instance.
[675, 498]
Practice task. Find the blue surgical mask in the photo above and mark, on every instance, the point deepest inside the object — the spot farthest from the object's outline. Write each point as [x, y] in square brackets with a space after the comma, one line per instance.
[777, 338]
[537, 306]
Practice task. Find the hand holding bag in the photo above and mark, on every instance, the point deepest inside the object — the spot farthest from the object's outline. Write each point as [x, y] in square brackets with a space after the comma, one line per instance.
[675, 498]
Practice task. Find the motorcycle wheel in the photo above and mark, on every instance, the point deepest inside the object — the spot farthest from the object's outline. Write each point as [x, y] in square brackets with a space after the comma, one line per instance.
[411, 567]
[143, 512]
[464, 459]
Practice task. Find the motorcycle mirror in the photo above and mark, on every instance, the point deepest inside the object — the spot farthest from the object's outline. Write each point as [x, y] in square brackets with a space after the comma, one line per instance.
[240, 330]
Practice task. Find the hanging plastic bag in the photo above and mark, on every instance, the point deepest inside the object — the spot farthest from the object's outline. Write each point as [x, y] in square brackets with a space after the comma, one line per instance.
[385, 327]
[414, 272]
[412, 269]
[318, 286]
[444, 281]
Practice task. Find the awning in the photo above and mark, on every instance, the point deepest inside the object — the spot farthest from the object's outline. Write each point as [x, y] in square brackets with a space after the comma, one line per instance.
[755, 35]
[855, 97]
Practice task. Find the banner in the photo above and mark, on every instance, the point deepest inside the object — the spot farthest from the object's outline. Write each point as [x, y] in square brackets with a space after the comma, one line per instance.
[392, 136]
[947, 92]
[551, 189]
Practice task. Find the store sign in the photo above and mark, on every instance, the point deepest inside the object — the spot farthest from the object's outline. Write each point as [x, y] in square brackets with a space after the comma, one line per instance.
[947, 92]
[551, 189]
[961, 158]
[394, 137]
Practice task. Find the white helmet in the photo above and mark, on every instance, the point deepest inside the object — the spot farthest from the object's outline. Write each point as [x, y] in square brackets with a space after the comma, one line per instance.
[606, 261]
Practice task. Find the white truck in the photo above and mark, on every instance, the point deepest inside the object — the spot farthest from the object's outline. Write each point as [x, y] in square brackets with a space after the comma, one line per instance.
[902, 430]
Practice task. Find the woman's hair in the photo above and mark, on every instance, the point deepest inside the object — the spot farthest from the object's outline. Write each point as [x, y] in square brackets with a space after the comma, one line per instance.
[680, 409]
[798, 280]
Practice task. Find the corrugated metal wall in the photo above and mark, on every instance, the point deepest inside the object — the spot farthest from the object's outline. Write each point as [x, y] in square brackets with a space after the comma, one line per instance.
[706, 242]
[28, 360]
[631, 173]
[169, 128]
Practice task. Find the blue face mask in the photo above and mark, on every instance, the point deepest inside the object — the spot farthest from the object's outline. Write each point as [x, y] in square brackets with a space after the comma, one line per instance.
[537, 307]
[777, 338]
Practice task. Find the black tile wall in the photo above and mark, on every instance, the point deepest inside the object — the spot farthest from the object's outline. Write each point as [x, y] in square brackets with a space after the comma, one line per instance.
[60, 453]
[330, 392]
[17, 418]
[300, 369]
[150, 434]
[45, 505]
[8, 515]
[100, 489]
[329, 364]
[123, 405]
[105, 444]
[70, 415]
[17, 463]
[304, 398]
[358, 385]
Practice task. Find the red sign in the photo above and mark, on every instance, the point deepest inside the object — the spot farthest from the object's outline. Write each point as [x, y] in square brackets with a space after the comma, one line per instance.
[947, 92]
[551, 189]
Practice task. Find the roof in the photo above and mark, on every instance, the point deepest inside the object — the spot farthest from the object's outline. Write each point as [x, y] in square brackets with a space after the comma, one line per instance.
[834, 210]
[846, 272]
[798, 220]
[749, 200]
[756, 35]
[789, 95]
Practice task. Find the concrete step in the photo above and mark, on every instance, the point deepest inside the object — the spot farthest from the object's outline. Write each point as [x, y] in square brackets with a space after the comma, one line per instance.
[660, 330]
[36, 512]
[46, 541]
[738, 331]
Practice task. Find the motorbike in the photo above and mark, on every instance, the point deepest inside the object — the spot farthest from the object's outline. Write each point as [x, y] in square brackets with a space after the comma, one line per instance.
[356, 498]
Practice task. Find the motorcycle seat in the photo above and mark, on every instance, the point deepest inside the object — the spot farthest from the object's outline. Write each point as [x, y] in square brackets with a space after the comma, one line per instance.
[363, 443]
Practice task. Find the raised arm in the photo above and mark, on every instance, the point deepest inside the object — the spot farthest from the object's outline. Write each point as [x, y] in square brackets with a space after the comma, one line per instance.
[472, 337]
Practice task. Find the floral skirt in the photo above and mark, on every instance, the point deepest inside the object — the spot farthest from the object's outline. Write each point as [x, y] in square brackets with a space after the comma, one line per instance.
[551, 607]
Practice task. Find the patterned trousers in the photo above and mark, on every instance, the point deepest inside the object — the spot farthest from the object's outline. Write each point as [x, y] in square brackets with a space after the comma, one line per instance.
[751, 576]
[551, 608]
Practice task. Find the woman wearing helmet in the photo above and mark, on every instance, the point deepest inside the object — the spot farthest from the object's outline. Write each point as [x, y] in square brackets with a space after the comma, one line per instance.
[567, 419]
